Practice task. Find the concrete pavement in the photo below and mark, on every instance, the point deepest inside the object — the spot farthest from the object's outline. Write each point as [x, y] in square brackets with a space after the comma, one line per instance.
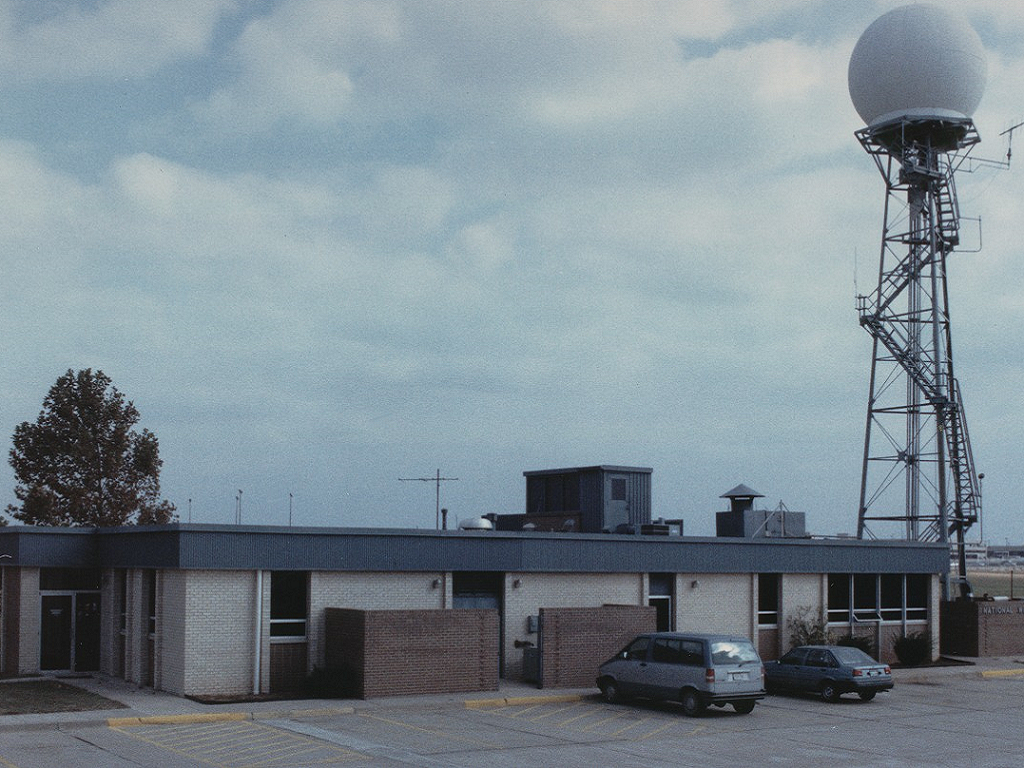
[143, 705]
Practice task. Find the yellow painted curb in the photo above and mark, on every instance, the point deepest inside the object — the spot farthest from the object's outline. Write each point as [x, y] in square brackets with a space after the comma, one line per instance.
[1002, 672]
[515, 701]
[219, 717]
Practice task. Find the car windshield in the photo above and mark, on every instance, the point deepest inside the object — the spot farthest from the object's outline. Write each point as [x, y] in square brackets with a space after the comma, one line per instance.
[850, 656]
[733, 652]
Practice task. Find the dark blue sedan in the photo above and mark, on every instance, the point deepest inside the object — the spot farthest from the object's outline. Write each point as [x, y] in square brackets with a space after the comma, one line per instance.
[830, 670]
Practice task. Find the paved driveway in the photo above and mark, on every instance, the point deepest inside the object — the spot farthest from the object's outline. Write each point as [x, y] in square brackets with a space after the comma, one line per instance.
[956, 721]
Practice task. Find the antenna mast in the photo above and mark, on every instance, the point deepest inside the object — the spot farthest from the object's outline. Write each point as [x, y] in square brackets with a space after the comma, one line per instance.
[437, 480]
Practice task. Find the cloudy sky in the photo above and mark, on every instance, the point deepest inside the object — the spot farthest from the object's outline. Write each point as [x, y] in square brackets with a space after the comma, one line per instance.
[324, 245]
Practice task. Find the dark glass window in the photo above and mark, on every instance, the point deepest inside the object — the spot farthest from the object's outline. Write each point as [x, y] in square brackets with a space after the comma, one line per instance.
[839, 597]
[917, 596]
[892, 596]
[865, 597]
[618, 489]
[768, 599]
[69, 579]
[288, 603]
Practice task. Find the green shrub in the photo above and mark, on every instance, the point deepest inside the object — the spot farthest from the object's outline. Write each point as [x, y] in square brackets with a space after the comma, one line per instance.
[913, 649]
[806, 627]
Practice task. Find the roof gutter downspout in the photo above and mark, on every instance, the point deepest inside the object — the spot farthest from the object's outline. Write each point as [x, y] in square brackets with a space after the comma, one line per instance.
[259, 634]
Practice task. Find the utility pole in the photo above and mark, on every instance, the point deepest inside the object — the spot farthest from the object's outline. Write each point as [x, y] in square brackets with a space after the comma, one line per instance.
[437, 480]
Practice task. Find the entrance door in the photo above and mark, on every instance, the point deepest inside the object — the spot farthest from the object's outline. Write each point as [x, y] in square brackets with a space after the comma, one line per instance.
[55, 632]
[69, 632]
[87, 632]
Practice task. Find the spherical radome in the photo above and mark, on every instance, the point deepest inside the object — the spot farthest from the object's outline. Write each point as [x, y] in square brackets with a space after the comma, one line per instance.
[917, 61]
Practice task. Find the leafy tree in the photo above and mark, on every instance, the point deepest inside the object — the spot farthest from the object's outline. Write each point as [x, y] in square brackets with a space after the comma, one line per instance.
[82, 463]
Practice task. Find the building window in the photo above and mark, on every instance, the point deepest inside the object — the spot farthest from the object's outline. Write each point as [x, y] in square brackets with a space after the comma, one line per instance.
[917, 596]
[887, 597]
[288, 602]
[865, 597]
[891, 593]
[768, 599]
[618, 489]
[839, 597]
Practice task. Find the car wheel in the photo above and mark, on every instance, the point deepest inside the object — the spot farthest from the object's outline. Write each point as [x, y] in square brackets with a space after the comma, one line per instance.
[829, 692]
[743, 707]
[610, 691]
[692, 705]
[867, 695]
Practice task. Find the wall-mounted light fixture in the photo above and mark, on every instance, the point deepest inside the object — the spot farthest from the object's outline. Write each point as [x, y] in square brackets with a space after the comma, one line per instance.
[516, 583]
[694, 584]
[435, 583]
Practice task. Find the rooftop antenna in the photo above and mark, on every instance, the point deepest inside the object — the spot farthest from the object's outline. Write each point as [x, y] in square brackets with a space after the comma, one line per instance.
[437, 480]
[916, 76]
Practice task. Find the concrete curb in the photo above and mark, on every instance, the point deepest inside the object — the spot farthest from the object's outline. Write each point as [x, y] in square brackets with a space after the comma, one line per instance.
[1002, 672]
[225, 717]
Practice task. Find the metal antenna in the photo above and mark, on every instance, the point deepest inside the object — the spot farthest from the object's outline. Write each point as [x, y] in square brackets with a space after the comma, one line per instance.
[437, 480]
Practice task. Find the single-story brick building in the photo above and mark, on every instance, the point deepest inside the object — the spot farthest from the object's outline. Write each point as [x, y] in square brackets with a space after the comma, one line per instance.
[216, 610]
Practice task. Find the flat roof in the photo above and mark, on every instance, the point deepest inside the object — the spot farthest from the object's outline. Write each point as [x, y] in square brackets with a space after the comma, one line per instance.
[246, 547]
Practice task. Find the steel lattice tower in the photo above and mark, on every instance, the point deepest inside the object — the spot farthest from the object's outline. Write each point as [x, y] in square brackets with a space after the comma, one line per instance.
[918, 473]
[916, 76]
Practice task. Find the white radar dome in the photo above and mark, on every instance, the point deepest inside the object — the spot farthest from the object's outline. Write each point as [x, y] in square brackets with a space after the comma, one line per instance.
[917, 61]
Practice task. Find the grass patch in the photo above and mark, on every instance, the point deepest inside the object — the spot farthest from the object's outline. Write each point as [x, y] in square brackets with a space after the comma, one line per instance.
[996, 583]
[31, 697]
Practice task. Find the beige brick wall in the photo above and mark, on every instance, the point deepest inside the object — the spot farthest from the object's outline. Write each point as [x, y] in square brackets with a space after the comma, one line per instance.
[218, 632]
[719, 603]
[173, 660]
[800, 590]
[368, 591]
[553, 590]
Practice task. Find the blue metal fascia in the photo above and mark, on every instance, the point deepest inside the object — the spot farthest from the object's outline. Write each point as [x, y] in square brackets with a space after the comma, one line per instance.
[353, 549]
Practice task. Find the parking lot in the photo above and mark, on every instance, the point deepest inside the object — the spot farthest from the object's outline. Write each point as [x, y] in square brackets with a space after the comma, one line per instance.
[958, 720]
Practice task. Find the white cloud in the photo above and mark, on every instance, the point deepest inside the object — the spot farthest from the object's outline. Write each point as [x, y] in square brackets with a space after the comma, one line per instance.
[486, 235]
[116, 38]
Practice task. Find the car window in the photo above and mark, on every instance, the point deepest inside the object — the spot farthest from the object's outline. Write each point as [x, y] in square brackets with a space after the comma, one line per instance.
[693, 653]
[733, 652]
[794, 657]
[637, 650]
[852, 656]
[666, 650]
[818, 657]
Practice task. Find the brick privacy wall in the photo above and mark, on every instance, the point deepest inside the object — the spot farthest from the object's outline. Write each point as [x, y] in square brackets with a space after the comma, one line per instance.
[983, 628]
[575, 641]
[368, 591]
[401, 653]
[558, 590]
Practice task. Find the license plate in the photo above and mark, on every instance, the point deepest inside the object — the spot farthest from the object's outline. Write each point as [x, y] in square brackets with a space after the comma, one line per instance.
[739, 676]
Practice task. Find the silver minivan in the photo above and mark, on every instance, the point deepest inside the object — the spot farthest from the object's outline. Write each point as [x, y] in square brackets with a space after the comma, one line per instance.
[695, 670]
